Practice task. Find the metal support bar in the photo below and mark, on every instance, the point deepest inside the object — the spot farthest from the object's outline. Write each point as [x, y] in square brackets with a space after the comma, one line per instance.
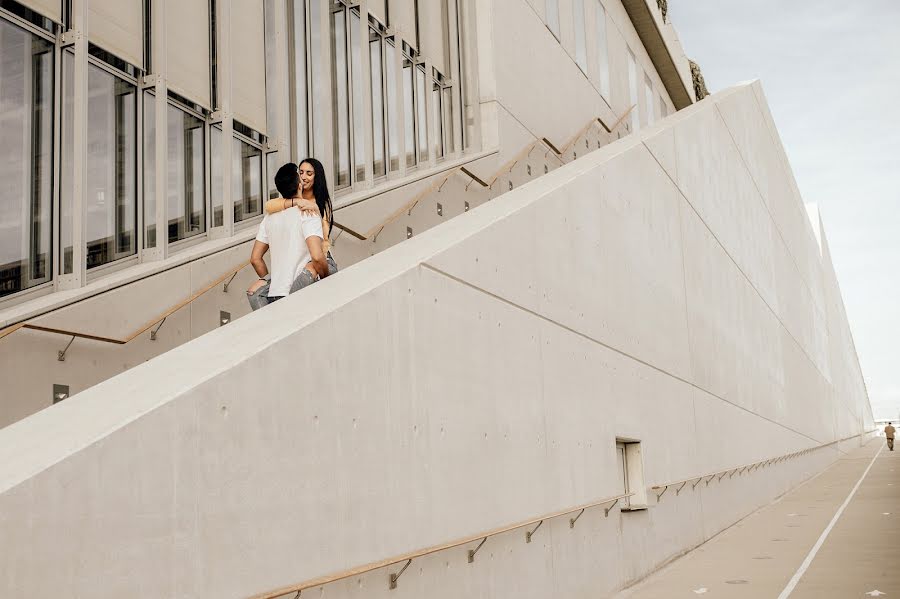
[699, 480]
[530, 533]
[678, 490]
[721, 476]
[156, 330]
[61, 355]
[395, 577]
[225, 288]
[709, 479]
[572, 521]
[731, 473]
[607, 510]
[297, 596]
[472, 552]
[659, 495]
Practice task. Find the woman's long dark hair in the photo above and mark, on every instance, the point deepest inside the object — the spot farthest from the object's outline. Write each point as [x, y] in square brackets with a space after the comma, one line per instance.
[320, 191]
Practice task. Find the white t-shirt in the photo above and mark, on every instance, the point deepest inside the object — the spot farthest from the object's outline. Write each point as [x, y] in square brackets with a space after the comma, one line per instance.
[286, 233]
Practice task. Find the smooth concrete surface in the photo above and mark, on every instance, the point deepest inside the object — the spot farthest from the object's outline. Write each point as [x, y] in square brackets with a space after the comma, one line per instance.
[473, 376]
[761, 554]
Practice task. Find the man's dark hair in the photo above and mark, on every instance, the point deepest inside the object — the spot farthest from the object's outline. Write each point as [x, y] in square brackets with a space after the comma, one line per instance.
[287, 180]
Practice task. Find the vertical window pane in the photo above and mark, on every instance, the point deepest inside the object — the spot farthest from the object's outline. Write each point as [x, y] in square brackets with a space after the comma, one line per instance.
[110, 197]
[300, 111]
[648, 100]
[552, 8]
[359, 146]
[602, 50]
[26, 158]
[215, 174]
[272, 165]
[633, 91]
[317, 73]
[149, 167]
[185, 166]
[437, 120]
[580, 41]
[246, 180]
[447, 114]
[409, 112]
[377, 93]
[393, 105]
[421, 114]
[340, 93]
[663, 108]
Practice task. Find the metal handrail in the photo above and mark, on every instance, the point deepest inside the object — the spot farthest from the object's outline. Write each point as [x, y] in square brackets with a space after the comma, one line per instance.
[739, 470]
[376, 230]
[158, 319]
[408, 557]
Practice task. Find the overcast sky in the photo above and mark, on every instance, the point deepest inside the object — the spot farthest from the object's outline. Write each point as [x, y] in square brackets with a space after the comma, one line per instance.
[831, 73]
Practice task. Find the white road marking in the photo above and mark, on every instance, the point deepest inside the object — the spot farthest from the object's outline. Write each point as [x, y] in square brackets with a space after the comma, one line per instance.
[812, 553]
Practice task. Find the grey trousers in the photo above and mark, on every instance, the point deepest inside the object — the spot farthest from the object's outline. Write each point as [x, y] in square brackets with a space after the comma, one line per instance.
[260, 298]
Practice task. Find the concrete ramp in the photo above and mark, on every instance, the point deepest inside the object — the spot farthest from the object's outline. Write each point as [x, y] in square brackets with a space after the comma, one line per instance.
[667, 289]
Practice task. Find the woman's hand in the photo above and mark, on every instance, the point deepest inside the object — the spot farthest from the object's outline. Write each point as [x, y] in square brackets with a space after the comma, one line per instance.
[307, 207]
[256, 286]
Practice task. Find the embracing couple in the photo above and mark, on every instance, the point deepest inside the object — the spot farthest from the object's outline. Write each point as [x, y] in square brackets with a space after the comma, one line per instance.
[296, 228]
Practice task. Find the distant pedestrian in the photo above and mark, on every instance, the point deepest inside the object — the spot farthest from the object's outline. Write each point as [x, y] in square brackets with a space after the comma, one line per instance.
[889, 433]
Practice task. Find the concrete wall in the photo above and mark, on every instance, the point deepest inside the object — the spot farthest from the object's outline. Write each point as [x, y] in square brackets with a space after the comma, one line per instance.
[474, 376]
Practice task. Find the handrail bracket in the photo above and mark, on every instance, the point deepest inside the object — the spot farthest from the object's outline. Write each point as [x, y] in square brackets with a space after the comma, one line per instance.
[472, 552]
[530, 533]
[608, 509]
[61, 354]
[396, 576]
[156, 330]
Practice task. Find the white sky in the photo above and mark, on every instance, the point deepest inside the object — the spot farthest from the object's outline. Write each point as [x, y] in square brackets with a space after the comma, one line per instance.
[831, 73]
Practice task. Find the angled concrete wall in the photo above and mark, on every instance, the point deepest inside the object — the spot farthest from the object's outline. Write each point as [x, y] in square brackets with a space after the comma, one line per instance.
[665, 288]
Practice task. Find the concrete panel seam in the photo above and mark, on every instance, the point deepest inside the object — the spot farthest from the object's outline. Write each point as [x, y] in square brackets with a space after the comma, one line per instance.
[609, 347]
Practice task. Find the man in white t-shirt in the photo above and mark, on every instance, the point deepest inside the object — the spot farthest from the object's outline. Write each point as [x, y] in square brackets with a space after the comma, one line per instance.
[295, 239]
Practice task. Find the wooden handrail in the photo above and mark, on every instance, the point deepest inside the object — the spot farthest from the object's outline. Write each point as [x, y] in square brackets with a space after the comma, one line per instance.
[329, 578]
[376, 230]
[731, 471]
[143, 329]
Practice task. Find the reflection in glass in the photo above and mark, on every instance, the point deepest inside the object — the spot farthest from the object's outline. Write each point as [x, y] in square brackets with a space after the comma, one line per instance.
[633, 91]
[185, 171]
[602, 50]
[110, 196]
[356, 73]
[580, 41]
[437, 120]
[300, 96]
[246, 180]
[377, 82]
[26, 158]
[648, 100]
[340, 93]
[393, 105]
[447, 111]
[421, 114]
[552, 8]
[215, 174]
[409, 112]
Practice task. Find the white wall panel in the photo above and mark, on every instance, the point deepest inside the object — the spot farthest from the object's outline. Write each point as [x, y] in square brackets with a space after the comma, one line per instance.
[433, 33]
[403, 18]
[52, 9]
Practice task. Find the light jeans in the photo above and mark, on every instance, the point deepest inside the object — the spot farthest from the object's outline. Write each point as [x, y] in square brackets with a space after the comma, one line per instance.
[260, 298]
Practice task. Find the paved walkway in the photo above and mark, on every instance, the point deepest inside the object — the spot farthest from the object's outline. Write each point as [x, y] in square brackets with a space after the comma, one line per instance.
[800, 547]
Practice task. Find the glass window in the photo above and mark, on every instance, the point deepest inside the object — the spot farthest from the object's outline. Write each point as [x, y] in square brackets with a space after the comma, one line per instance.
[26, 159]
[356, 74]
[300, 111]
[580, 41]
[185, 171]
[421, 113]
[552, 9]
[393, 106]
[273, 163]
[377, 93]
[110, 196]
[437, 119]
[663, 108]
[341, 95]
[648, 100]
[633, 91]
[602, 50]
[409, 112]
[447, 112]
[246, 180]
[215, 174]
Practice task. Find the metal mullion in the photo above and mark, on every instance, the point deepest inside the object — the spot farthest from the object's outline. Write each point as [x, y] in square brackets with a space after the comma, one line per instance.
[385, 108]
[351, 120]
[55, 203]
[94, 61]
